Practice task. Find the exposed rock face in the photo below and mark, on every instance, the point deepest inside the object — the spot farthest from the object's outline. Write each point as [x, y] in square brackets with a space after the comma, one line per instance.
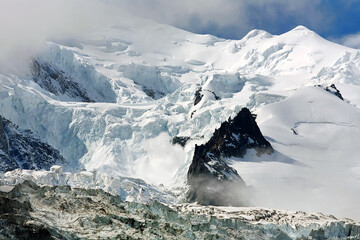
[154, 94]
[332, 89]
[198, 96]
[20, 149]
[6, 163]
[180, 140]
[28, 211]
[211, 180]
[57, 82]
[215, 96]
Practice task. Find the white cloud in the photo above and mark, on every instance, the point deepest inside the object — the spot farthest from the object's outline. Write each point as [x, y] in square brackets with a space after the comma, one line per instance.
[26, 25]
[352, 40]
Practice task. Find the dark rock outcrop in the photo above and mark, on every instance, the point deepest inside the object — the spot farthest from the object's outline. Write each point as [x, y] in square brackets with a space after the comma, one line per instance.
[198, 96]
[211, 180]
[215, 96]
[333, 90]
[57, 82]
[20, 149]
[180, 140]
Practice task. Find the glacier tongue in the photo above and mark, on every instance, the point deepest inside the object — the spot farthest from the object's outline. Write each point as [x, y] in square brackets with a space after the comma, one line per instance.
[61, 212]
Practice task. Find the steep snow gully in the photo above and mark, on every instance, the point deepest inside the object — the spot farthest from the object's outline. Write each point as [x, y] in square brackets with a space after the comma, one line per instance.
[269, 120]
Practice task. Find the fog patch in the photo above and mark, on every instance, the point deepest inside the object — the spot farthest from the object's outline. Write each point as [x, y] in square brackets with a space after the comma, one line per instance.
[161, 162]
[26, 25]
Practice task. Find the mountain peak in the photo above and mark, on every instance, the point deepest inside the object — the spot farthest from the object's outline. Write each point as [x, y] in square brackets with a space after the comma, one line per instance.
[302, 32]
[211, 180]
[257, 32]
[301, 28]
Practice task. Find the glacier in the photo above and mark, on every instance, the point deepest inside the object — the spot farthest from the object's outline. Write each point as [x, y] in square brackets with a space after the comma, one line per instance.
[142, 94]
[33, 212]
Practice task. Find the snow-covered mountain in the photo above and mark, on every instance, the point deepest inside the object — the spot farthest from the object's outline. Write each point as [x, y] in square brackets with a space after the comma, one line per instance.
[113, 100]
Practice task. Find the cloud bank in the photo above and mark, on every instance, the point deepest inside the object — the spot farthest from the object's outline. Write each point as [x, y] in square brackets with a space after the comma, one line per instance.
[26, 25]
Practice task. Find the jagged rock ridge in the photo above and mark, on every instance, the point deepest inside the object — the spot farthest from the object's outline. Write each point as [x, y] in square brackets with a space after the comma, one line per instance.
[211, 180]
[332, 89]
[20, 149]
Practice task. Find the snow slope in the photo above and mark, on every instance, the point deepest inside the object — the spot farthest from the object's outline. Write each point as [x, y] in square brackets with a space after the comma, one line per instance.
[142, 77]
[326, 144]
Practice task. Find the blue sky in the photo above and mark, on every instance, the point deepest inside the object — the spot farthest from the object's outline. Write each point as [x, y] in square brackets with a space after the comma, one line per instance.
[329, 18]
[337, 20]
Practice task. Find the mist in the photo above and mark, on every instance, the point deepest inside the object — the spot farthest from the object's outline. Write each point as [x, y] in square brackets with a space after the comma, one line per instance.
[26, 25]
[162, 160]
